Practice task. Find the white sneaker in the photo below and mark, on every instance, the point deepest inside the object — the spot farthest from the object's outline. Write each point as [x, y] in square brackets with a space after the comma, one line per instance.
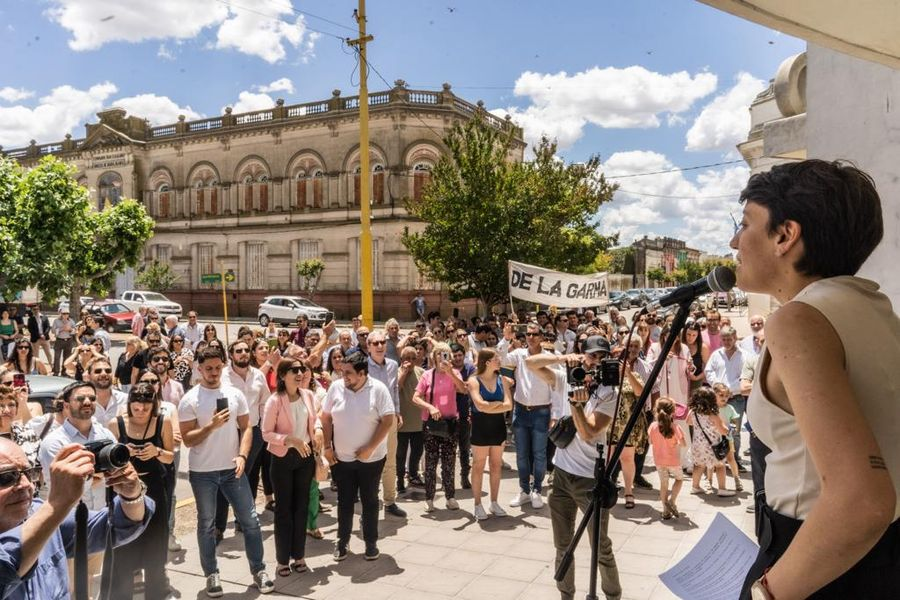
[536, 500]
[452, 504]
[429, 506]
[725, 493]
[480, 514]
[521, 499]
[497, 510]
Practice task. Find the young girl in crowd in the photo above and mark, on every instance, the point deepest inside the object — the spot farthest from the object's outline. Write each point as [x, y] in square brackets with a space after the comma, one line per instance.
[729, 417]
[666, 440]
[708, 430]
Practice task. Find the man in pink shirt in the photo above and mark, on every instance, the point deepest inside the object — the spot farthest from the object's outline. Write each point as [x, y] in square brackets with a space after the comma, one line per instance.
[711, 335]
[138, 321]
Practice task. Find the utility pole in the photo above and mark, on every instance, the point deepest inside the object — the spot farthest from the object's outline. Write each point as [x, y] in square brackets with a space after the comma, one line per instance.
[365, 236]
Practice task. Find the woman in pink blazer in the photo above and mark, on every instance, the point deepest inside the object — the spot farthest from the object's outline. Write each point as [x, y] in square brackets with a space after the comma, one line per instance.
[288, 425]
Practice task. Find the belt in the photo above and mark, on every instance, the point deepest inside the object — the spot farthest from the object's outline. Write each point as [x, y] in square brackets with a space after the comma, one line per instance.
[531, 408]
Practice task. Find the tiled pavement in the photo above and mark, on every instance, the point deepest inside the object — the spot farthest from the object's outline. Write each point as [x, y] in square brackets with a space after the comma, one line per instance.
[447, 554]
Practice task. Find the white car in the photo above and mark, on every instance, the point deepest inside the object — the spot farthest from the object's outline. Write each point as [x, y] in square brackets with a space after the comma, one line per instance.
[134, 299]
[285, 310]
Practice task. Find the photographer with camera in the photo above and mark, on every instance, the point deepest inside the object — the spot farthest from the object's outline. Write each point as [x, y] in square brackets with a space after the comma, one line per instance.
[35, 535]
[591, 407]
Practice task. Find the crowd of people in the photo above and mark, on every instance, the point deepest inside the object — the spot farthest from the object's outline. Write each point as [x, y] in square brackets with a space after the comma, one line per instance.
[375, 412]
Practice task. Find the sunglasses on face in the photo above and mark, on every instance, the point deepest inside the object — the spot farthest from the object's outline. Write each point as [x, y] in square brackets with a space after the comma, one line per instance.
[177, 341]
[378, 342]
[241, 351]
[153, 340]
[11, 478]
[157, 359]
[533, 334]
[297, 370]
[151, 381]
[101, 371]
[82, 398]
[23, 347]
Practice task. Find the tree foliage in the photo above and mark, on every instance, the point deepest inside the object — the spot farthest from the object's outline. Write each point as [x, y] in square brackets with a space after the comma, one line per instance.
[58, 243]
[481, 210]
[656, 274]
[622, 260]
[157, 276]
[309, 272]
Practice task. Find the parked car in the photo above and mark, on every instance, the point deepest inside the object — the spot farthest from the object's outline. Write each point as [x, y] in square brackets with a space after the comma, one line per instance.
[44, 388]
[114, 314]
[285, 310]
[620, 300]
[64, 304]
[638, 297]
[134, 299]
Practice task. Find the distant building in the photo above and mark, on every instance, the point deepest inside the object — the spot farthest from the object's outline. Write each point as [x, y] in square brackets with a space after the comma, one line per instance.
[258, 191]
[660, 253]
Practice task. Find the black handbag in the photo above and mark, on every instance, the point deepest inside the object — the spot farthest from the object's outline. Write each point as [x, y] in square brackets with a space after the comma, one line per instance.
[720, 448]
[563, 432]
[442, 428]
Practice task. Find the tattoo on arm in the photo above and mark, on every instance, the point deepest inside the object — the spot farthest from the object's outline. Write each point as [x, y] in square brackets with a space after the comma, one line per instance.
[876, 462]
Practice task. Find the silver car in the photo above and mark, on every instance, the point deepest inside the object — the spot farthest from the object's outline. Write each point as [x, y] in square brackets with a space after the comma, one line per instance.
[285, 310]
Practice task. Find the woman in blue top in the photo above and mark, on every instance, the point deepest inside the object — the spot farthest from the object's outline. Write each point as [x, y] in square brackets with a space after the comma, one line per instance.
[491, 399]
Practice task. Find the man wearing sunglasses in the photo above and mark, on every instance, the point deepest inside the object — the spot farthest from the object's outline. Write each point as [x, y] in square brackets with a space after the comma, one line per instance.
[34, 534]
[252, 383]
[110, 402]
[386, 371]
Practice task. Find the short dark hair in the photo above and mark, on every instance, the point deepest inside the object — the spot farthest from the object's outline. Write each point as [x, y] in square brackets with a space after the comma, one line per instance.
[143, 392]
[358, 360]
[67, 391]
[485, 328]
[836, 205]
[209, 353]
[454, 347]
[232, 345]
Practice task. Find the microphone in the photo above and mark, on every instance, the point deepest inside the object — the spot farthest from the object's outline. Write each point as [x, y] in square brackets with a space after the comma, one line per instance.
[720, 279]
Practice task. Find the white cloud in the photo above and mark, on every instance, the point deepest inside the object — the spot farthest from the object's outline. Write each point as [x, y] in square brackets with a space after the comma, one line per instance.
[165, 53]
[633, 97]
[279, 85]
[694, 210]
[56, 114]
[11, 94]
[249, 101]
[261, 29]
[726, 120]
[158, 109]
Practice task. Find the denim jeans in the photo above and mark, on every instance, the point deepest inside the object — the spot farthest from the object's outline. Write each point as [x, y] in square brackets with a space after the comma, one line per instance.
[206, 485]
[531, 428]
[221, 503]
[740, 406]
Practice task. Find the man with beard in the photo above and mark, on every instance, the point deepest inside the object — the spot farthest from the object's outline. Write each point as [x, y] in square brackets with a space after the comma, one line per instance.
[711, 335]
[79, 428]
[392, 327]
[142, 359]
[219, 455]
[252, 384]
[110, 402]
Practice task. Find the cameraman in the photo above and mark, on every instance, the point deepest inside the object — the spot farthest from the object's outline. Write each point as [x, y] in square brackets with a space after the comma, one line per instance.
[34, 535]
[592, 413]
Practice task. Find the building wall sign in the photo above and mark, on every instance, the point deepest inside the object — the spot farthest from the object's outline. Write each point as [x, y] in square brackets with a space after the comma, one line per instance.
[113, 159]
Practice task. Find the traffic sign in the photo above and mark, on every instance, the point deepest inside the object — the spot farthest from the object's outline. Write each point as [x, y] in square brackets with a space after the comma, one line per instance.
[230, 276]
[211, 278]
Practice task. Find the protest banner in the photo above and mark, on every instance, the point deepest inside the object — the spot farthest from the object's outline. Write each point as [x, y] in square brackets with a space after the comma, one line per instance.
[554, 288]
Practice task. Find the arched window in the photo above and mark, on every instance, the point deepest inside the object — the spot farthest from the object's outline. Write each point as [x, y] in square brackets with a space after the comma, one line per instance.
[356, 186]
[301, 189]
[164, 202]
[378, 184]
[318, 185]
[248, 193]
[110, 187]
[421, 177]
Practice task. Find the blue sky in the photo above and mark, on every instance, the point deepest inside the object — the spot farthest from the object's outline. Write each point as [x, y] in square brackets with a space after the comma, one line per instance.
[647, 85]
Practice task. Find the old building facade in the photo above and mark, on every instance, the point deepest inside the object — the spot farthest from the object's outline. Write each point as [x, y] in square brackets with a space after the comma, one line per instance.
[257, 192]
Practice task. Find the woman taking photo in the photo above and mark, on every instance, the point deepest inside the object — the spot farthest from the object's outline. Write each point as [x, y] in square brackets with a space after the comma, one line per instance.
[77, 363]
[133, 347]
[436, 396]
[692, 339]
[491, 399]
[10, 402]
[632, 388]
[825, 394]
[23, 361]
[150, 441]
[289, 427]
[182, 358]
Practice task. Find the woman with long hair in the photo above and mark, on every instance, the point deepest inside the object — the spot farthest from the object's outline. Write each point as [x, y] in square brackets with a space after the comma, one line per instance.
[182, 357]
[692, 338]
[491, 398]
[210, 333]
[9, 329]
[632, 387]
[125, 364]
[674, 382]
[24, 361]
[77, 362]
[150, 440]
[289, 427]
[259, 358]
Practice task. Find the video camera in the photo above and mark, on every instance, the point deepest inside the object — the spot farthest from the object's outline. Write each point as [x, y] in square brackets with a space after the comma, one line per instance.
[606, 374]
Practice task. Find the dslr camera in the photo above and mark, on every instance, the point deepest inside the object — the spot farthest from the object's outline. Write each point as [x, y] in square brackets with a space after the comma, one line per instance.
[605, 374]
[108, 455]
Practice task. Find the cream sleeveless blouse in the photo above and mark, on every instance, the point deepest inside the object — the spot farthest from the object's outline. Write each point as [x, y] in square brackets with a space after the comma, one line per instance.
[870, 333]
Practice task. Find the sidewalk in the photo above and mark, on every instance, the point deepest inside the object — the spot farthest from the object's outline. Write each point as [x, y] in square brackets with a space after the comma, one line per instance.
[447, 554]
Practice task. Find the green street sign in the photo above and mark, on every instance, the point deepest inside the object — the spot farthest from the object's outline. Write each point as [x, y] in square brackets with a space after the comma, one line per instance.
[230, 276]
[211, 278]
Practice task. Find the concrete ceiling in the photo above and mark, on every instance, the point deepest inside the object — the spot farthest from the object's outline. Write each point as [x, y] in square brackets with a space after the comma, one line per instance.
[868, 29]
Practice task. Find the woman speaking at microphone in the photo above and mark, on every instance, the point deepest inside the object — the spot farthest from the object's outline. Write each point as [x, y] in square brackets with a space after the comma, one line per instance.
[825, 394]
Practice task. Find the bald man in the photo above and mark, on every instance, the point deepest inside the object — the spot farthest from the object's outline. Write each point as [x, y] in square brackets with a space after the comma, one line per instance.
[34, 535]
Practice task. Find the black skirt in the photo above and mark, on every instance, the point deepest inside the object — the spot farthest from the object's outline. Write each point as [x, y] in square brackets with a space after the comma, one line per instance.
[488, 429]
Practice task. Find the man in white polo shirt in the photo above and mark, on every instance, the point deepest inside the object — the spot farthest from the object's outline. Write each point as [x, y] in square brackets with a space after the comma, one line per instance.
[357, 415]
[216, 427]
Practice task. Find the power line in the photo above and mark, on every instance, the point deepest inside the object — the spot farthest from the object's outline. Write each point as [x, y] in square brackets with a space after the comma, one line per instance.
[674, 170]
[678, 197]
[277, 18]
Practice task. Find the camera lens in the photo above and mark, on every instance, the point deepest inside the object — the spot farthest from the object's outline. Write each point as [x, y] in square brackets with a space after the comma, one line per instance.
[111, 457]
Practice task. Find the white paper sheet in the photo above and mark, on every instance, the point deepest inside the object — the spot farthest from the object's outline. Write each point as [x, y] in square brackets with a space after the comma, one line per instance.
[716, 566]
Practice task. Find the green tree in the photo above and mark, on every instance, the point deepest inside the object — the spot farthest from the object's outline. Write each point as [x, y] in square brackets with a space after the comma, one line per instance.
[157, 276]
[309, 272]
[481, 210]
[623, 260]
[656, 275]
[602, 263]
[11, 265]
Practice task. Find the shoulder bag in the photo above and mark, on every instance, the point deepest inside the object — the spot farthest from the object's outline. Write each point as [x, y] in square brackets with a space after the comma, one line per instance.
[563, 432]
[720, 448]
[442, 428]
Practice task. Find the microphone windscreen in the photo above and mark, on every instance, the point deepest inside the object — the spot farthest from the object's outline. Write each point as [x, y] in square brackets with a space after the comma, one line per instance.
[721, 279]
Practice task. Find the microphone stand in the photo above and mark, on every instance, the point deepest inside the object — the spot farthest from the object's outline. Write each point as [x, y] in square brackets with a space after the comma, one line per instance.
[604, 495]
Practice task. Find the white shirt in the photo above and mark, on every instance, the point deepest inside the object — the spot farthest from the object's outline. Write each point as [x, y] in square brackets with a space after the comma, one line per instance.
[118, 404]
[356, 416]
[301, 422]
[217, 451]
[531, 390]
[721, 369]
[579, 456]
[254, 387]
[749, 346]
[94, 496]
[565, 342]
[193, 334]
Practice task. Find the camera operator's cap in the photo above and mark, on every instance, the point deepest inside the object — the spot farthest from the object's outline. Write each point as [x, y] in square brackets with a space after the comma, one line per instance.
[595, 343]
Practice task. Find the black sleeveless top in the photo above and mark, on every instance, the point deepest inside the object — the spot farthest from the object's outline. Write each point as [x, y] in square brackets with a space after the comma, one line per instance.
[151, 467]
[697, 357]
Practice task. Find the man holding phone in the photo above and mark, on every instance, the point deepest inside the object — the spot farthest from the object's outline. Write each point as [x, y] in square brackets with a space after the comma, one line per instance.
[218, 458]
